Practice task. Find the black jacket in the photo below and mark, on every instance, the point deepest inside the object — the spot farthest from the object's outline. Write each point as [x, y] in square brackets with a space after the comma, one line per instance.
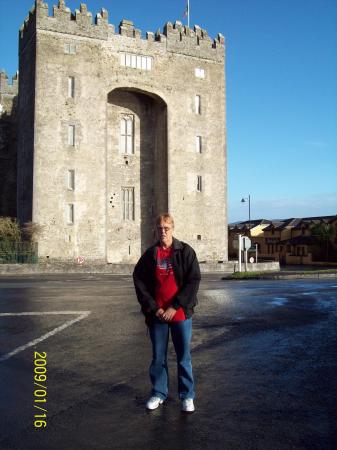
[186, 273]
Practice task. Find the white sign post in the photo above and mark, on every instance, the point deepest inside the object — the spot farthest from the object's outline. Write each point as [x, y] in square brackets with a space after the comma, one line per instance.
[240, 250]
[242, 244]
[246, 243]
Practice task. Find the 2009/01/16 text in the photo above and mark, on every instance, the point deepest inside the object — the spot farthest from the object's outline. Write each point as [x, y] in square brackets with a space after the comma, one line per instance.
[40, 389]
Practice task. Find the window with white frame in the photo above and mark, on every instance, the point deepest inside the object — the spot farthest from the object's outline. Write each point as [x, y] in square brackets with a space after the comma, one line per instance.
[126, 141]
[71, 135]
[197, 104]
[136, 61]
[199, 73]
[70, 213]
[198, 144]
[70, 48]
[71, 87]
[128, 202]
[71, 180]
[199, 183]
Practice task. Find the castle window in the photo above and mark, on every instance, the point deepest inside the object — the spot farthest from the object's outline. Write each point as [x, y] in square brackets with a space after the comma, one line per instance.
[199, 73]
[198, 144]
[136, 61]
[197, 104]
[70, 48]
[126, 135]
[199, 183]
[71, 180]
[71, 87]
[128, 198]
[71, 135]
[70, 212]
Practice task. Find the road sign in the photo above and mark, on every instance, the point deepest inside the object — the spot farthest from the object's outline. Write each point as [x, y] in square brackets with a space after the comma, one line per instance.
[246, 243]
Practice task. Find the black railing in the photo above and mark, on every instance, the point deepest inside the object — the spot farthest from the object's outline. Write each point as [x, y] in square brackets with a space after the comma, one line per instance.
[18, 252]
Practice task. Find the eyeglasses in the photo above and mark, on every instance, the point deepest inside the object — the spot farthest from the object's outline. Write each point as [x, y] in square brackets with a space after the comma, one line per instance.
[166, 229]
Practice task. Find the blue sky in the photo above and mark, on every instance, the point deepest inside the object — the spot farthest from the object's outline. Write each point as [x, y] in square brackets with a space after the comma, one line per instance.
[281, 76]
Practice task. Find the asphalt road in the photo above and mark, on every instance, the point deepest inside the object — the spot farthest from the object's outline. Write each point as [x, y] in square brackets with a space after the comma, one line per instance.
[264, 359]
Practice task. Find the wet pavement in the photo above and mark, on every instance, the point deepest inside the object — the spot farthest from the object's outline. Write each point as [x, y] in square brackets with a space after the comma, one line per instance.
[264, 360]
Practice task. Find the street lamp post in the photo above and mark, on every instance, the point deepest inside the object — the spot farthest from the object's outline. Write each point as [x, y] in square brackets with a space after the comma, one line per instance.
[244, 200]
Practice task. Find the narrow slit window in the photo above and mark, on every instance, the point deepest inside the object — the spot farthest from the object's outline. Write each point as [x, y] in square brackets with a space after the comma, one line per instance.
[71, 87]
[71, 180]
[197, 104]
[198, 144]
[128, 199]
[71, 135]
[70, 212]
[199, 183]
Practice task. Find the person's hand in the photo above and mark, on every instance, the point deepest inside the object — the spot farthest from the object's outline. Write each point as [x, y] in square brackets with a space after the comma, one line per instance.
[169, 314]
[159, 313]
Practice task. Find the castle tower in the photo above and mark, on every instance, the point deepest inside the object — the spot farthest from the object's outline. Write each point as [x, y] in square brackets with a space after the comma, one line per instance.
[116, 128]
[8, 98]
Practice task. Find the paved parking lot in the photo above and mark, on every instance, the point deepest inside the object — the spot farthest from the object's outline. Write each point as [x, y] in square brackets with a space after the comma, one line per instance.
[264, 357]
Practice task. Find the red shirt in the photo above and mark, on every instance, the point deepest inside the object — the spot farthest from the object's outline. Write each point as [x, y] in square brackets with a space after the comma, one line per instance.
[166, 287]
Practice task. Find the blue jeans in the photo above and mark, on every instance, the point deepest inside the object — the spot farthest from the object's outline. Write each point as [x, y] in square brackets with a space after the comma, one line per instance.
[181, 333]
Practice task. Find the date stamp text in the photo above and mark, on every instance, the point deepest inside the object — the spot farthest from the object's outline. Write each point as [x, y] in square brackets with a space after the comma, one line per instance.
[40, 389]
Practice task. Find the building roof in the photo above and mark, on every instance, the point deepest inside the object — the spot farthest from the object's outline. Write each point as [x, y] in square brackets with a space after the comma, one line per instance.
[280, 224]
[247, 224]
[299, 240]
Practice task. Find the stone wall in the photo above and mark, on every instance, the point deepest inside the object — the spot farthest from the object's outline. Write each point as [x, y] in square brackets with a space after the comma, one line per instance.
[8, 124]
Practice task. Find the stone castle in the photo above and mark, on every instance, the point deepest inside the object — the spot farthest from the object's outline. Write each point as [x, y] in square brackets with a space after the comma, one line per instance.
[112, 129]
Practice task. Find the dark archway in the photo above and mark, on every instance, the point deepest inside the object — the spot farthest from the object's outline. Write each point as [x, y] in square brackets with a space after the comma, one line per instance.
[141, 167]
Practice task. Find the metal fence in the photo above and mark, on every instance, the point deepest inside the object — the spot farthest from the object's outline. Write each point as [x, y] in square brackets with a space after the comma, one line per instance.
[18, 252]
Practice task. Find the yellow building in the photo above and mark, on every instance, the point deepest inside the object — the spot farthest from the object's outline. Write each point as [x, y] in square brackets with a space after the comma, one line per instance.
[308, 240]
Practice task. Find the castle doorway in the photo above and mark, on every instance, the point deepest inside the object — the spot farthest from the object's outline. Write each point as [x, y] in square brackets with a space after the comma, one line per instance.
[137, 180]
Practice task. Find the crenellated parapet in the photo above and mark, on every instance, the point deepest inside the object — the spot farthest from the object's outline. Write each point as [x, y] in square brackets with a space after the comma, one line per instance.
[177, 37]
[8, 93]
[6, 87]
[196, 41]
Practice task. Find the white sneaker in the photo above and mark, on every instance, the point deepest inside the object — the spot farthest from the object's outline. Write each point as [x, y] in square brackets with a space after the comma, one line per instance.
[153, 402]
[188, 405]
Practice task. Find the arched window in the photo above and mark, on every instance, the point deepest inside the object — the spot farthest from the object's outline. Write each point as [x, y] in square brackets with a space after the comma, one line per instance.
[126, 144]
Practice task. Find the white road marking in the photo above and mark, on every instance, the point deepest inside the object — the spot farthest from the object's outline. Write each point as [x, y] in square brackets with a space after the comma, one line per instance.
[81, 315]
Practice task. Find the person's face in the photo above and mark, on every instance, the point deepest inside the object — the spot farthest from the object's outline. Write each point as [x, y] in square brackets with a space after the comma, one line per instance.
[165, 233]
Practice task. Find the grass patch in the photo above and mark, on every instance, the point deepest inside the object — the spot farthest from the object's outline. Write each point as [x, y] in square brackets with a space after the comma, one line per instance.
[244, 275]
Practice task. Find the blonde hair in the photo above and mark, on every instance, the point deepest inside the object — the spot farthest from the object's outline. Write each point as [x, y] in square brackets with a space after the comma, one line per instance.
[164, 217]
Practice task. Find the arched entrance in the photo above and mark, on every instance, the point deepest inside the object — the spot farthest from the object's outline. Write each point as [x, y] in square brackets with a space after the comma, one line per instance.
[136, 171]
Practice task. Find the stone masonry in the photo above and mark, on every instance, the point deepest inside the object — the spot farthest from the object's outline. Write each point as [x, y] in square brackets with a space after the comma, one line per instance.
[8, 100]
[115, 128]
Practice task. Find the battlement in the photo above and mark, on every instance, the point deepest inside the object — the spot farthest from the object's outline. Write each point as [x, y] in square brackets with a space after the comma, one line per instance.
[6, 87]
[177, 37]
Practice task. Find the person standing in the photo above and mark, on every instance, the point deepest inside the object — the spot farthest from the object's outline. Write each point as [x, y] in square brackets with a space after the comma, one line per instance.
[166, 280]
